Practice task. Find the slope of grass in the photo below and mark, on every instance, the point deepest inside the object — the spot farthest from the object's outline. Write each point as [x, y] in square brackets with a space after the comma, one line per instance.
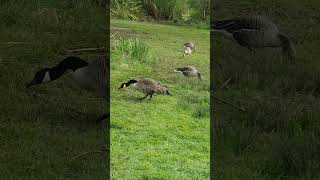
[278, 135]
[167, 137]
[42, 129]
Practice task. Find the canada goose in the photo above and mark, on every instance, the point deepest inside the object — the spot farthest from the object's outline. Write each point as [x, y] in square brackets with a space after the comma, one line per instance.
[255, 32]
[187, 51]
[189, 71]
[190, 45]
[146, 86]
[89, 76]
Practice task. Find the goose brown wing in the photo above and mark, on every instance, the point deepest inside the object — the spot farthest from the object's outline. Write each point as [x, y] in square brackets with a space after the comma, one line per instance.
[251, 23]
[150, 85]
[160, 89]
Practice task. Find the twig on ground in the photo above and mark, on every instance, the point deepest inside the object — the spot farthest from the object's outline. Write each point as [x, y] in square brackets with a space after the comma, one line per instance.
[94, 98]
[228, 103]
[15, 43]
[86, 49]
[91, 152]
[225, 84]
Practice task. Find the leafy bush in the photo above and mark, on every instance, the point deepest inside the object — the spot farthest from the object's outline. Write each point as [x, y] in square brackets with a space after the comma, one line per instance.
[126, 9]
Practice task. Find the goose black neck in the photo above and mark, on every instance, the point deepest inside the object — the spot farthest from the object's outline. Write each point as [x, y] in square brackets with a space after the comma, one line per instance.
[132, 81]
[123, 85]
[69, 63]
[72, 63]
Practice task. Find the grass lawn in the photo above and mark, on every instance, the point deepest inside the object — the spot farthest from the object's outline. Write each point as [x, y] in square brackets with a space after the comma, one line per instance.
[278, 135]
[44, 128]
[167, 137]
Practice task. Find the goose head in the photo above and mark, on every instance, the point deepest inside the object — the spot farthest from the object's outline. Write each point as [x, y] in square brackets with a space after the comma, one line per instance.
[41, 76]
[124, 85]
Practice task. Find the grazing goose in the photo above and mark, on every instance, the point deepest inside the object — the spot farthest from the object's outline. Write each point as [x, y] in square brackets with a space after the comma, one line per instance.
[190, 45]
[146, 86]
[255, 32]
[89, 76]
[187, 51]
[189, 71]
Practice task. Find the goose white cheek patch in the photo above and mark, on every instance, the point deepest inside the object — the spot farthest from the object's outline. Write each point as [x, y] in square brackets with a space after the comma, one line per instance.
[46, 77]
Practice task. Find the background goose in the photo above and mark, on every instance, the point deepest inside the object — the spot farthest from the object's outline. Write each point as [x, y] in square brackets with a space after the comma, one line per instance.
[146, 86]
[255, 32]
[187, 51]
[190, 45]
[89, 76]
[189, 71]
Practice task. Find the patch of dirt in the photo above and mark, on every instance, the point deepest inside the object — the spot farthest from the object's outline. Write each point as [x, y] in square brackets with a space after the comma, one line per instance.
[123, 32]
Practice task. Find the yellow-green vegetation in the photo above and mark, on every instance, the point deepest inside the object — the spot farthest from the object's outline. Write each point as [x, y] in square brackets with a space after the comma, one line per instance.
[44, 128]
[278, 135]
[167, 137]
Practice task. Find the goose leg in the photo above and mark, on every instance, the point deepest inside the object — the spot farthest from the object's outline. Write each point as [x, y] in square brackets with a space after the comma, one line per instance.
[104, 116]
[150, 96]
[144, 97]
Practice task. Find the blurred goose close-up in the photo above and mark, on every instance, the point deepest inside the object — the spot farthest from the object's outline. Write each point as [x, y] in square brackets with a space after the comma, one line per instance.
[255, 32]
[88, 76]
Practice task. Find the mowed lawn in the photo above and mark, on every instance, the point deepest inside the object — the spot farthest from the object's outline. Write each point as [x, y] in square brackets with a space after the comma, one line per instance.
[167, 137]
[43, 130]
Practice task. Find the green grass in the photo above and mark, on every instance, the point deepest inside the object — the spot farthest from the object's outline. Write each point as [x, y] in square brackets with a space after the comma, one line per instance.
[44, 128]
[278, 135]
[167, 137]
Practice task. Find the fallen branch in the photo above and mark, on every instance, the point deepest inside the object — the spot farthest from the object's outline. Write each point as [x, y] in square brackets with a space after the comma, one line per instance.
[15, 43]
[94, 98]
[225, 84]
[91, 152]
[228, 103]
[87, 49]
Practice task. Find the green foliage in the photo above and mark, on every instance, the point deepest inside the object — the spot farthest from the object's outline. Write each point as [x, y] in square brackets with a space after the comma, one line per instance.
[166, 10]
[186, 11]
[200, 9]
[126, 9]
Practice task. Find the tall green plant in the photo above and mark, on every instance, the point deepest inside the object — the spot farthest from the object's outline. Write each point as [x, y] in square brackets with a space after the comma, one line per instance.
[133, 48]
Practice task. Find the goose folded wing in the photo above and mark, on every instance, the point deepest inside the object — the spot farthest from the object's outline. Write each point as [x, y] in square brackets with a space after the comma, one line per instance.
[233, 25]
[249, 36]
[182, 69]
